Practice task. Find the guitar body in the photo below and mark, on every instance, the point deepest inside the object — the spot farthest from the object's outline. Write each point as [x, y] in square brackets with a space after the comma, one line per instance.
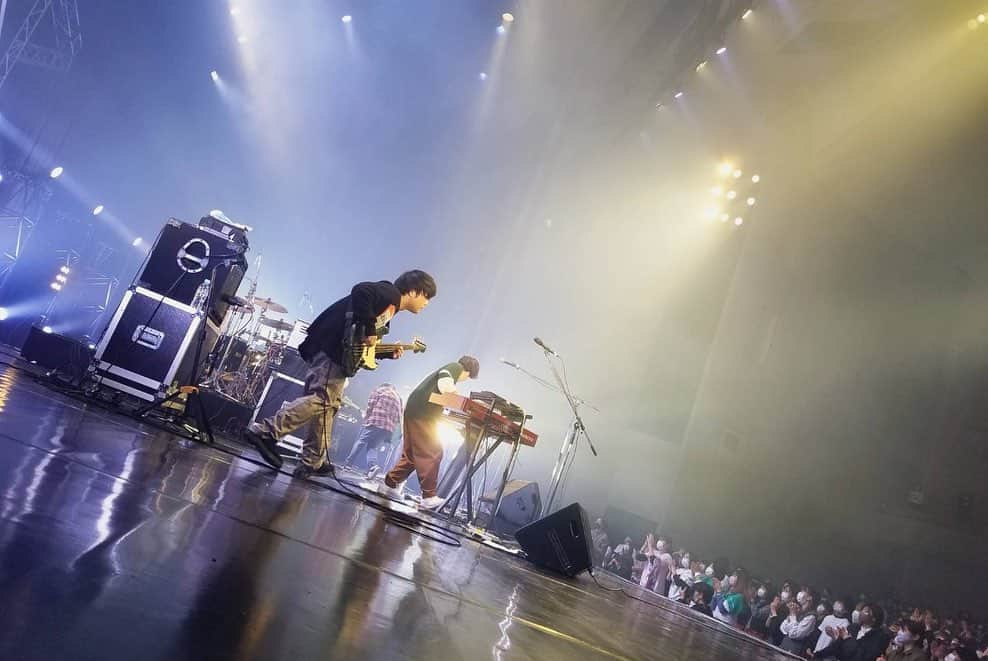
[358, 355]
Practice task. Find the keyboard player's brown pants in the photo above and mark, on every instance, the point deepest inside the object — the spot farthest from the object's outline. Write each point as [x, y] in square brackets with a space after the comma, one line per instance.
[422, 452]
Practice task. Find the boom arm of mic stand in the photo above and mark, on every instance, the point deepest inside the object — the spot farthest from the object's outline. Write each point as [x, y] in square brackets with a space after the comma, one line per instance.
[572, 401]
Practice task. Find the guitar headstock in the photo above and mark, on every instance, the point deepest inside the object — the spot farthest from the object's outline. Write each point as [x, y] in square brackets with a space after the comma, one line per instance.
[418, 346]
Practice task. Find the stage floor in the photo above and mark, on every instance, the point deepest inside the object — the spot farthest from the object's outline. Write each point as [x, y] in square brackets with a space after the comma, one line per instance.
[119, 541]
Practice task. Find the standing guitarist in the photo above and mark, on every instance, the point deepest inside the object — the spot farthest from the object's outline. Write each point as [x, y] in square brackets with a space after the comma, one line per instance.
[369, 307]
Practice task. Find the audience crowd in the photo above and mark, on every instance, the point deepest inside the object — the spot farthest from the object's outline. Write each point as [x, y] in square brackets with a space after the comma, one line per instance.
[801, 619]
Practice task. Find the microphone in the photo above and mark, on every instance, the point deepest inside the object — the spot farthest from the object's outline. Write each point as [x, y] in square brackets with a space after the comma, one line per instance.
[547, 349]
[510, 364]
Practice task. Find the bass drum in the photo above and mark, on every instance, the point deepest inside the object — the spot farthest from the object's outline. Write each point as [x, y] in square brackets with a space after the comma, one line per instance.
[236, 355]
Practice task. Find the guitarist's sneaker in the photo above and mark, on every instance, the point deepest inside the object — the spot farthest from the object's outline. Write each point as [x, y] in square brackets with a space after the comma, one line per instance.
[304, 471]
[265, 444]
[431, 503]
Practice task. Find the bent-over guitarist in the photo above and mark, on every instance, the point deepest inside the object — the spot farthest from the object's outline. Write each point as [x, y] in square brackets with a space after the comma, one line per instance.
[367, 311]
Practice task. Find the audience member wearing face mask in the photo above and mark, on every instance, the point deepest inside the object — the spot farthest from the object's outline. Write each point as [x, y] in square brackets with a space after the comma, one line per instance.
[907, 644]
[761, 610]
[865, 641]
[732, 607]
[800, 624]
[830, 626]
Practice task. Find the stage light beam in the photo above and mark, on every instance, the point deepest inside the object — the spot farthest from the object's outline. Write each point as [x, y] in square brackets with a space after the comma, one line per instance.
[724, 169]
[4, 313]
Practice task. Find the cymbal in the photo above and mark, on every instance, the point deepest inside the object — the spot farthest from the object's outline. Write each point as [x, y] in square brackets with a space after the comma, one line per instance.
[267, 304]
[276, 324]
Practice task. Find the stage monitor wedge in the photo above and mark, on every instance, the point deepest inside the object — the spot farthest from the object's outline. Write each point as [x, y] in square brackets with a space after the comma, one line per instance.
[560, 541]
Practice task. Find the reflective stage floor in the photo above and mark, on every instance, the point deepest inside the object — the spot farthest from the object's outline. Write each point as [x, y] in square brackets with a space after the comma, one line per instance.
[119, 541]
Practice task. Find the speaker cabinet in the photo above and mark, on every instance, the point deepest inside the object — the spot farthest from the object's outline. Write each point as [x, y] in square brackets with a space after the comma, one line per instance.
[520, 505]
[183, 256]
[559, 542]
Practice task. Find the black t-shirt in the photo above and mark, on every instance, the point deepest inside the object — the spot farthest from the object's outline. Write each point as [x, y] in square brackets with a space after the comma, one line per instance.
[373, 305]
[418, 406]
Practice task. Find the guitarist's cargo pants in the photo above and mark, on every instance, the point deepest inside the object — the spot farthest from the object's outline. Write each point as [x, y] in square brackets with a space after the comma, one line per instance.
[422, 452]
[323, 398]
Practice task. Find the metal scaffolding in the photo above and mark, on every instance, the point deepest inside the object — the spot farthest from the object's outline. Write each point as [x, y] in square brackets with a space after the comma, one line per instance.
[22, 205]
[51, 44]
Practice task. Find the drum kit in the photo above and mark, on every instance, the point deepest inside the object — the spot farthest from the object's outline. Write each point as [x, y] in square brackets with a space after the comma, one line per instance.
[253, 343]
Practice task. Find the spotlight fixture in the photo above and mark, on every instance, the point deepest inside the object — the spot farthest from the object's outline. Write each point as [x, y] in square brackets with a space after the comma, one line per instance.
[658, 106]
[46, 329]
[57, 286]
[722, 50]
[701, 65]
[347, 18]
[215, 76]
[136, 242]
[65, 270]
[482, 75]
[98, 209]
[737, 174]
[507, 17]
[56, 172]
[739, 221]
[4, 313]
[731, 194]
[501, 29]
[1, 178]
[60, 278]
[755, 178]
[677, 95]
[982, 18]
[746, 14]
[750, 201]
[724, 169]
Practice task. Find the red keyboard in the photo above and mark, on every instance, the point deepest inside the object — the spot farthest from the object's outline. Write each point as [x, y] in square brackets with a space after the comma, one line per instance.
[479, 412]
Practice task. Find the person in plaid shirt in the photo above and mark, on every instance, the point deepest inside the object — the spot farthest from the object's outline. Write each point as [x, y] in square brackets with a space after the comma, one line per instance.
[382, 418]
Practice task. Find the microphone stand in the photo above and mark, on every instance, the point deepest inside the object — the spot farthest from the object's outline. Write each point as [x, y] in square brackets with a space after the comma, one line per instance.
[567, 452]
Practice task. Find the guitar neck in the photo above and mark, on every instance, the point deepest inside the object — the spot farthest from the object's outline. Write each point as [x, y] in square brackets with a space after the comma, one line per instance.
[392, 347]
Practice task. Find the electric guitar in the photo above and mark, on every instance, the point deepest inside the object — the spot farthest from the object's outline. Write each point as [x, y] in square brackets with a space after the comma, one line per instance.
[358, 355]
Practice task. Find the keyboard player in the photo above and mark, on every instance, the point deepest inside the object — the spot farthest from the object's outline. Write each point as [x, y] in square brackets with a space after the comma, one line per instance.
[422, 450]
